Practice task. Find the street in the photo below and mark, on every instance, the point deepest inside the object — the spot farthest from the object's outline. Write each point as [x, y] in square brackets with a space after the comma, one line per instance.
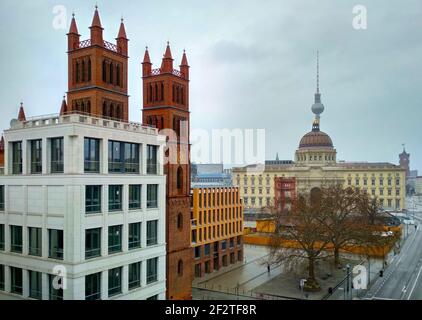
[402, 279]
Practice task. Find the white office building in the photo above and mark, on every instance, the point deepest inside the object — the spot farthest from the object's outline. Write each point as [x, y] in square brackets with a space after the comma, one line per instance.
[82, 210]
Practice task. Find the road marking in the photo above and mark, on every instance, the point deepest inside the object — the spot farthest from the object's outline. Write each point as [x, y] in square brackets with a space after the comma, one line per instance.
[414, 285]
[404, 289]
[378, 298]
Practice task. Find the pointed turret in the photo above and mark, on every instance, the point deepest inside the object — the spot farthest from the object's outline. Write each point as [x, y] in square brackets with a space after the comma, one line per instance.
[184, 66]
[63, 108]
[21, 115]
[167, 64]
[96, 22]
[73, 37]
[146, 64]
[96, 29]
[122, 40]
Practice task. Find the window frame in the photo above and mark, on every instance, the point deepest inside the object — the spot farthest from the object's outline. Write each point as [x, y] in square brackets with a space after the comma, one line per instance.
[36, 152]
[92, 163]
[152, 240]
[56, 253]
[115, 233]
[57, 155]
[93, 251]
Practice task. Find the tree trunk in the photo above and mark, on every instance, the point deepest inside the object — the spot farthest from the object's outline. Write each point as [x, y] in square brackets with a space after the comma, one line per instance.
[311, 283]
[336, 256]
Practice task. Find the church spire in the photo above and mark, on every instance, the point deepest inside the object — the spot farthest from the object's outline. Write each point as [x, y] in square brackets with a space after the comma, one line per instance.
[96, 29]
[184, 66]
[167, 63]
[21, 115]
[96, 22]
[63, 109]
[73, 27]
[122, 31]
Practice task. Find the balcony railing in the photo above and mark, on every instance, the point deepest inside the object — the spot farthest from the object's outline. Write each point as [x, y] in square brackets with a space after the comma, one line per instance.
[87, 43]
[177, 73]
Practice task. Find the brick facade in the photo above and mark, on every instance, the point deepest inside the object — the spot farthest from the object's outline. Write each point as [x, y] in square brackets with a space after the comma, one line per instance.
[216, 229]
[98, 73]
[166, 106]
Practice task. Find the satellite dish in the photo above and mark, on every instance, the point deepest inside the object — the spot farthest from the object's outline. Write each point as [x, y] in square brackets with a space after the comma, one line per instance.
[13, 123]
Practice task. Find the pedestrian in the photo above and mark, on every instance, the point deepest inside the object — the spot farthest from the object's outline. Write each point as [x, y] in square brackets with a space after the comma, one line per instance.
[268, 268]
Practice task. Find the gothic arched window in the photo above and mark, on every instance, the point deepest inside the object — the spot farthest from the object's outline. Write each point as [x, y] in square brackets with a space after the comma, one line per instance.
[180, 178]
[118, 75]
[111, 74]
[156, 93]
[104, 109]
[179, 221]
[104, 71]
[89, 69]
[180, 268]
[118, 111]
[77, 72]
[150, 93]
[162, 91]
[83, 71]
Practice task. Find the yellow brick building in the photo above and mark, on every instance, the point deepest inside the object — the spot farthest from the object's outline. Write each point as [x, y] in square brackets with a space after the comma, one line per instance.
[216, 228]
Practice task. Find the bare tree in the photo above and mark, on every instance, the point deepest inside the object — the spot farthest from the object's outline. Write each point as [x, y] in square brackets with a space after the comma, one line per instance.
[341, 208]
[305, 225]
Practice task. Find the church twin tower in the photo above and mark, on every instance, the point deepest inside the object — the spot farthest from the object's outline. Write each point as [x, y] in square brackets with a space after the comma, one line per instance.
[98, 86]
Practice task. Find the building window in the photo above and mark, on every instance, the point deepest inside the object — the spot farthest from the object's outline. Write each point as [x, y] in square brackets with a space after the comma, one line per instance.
[57, 155]
[2, 198]
[180, 221]
[55, 287]
[35, 285]
[92, 199]
[17, 157]
[36, 156]
[35, 242]
[152, 196]
[114, 281]
[397, 192]
[16, 239]
[123, 157]
[152, 163]
[93, 286]
[55, 244]
[397, 203]
[2, 278]
[92, 243]
[16, 280]
[92, 155]
[180, 268]
[134, 197]
[114, 239]
[134, 235]
[152, 270]
[207, 250]
[224, 243]
[197, 252]
[152, 233]
[180, 182]
[134, 275]
[1, 237]
[115, 198]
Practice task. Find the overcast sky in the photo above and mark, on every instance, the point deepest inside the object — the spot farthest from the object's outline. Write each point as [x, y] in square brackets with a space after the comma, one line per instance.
[252, 66]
